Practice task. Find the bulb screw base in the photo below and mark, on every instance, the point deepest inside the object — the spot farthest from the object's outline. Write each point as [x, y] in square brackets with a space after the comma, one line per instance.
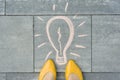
[61, 60]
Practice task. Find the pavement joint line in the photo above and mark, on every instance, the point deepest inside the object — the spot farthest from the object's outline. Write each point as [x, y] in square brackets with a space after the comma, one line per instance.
[33, 47]
[56, 14]
[91, 43]
[5, 8]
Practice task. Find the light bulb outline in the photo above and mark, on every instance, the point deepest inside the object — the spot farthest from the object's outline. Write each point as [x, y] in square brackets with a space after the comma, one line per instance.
[70, 39]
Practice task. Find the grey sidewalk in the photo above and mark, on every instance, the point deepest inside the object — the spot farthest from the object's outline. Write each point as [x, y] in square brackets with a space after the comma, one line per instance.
[24, 44]
[87, 76]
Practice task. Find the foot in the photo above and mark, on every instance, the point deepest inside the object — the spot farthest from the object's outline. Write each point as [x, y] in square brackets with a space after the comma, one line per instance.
[73, 72]
[49, 76]
[48, 72]
[73, 77]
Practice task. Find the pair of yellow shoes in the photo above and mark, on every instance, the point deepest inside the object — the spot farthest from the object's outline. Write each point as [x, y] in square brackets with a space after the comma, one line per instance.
[71, 68]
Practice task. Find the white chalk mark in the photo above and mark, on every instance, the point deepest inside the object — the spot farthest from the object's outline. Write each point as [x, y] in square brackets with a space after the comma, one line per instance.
[75, 54]
[41, 45]
[37, 35]
[66, 6]
[54, 6]
[61, 60]
[82, 35]
[48, 55]
[81, 23]
[75, 16]
[59, 0]
[79, 46]
[59, 37]
[40, 18]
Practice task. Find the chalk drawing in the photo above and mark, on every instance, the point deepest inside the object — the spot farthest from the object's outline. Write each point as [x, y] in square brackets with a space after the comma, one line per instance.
[61, 60]
[81, 23]
[54, 6]
[41, 45]
[75, 54]
[37, 35]
[66, 6]
[74, 16]
[40, 18]
[59, 0]
[61, 51]
[48, 55]
[82, 35]
[79, 46]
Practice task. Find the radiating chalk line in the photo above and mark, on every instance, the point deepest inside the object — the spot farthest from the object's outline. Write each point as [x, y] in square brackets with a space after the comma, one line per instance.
[66, 6]
[82, 35]
[54, 6]
[81, 23]
[41, 45]
[75, 54]
[59, 0]
[48, 55]
[74, 16]
[79, 46]
[40, 18]
[37, 35]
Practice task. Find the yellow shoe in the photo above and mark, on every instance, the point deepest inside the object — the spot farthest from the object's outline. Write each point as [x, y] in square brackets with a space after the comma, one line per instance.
[48, 71]
[73, 72]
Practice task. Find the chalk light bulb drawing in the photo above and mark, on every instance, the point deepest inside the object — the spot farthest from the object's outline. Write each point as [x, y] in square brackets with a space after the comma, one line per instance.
[61, 59]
